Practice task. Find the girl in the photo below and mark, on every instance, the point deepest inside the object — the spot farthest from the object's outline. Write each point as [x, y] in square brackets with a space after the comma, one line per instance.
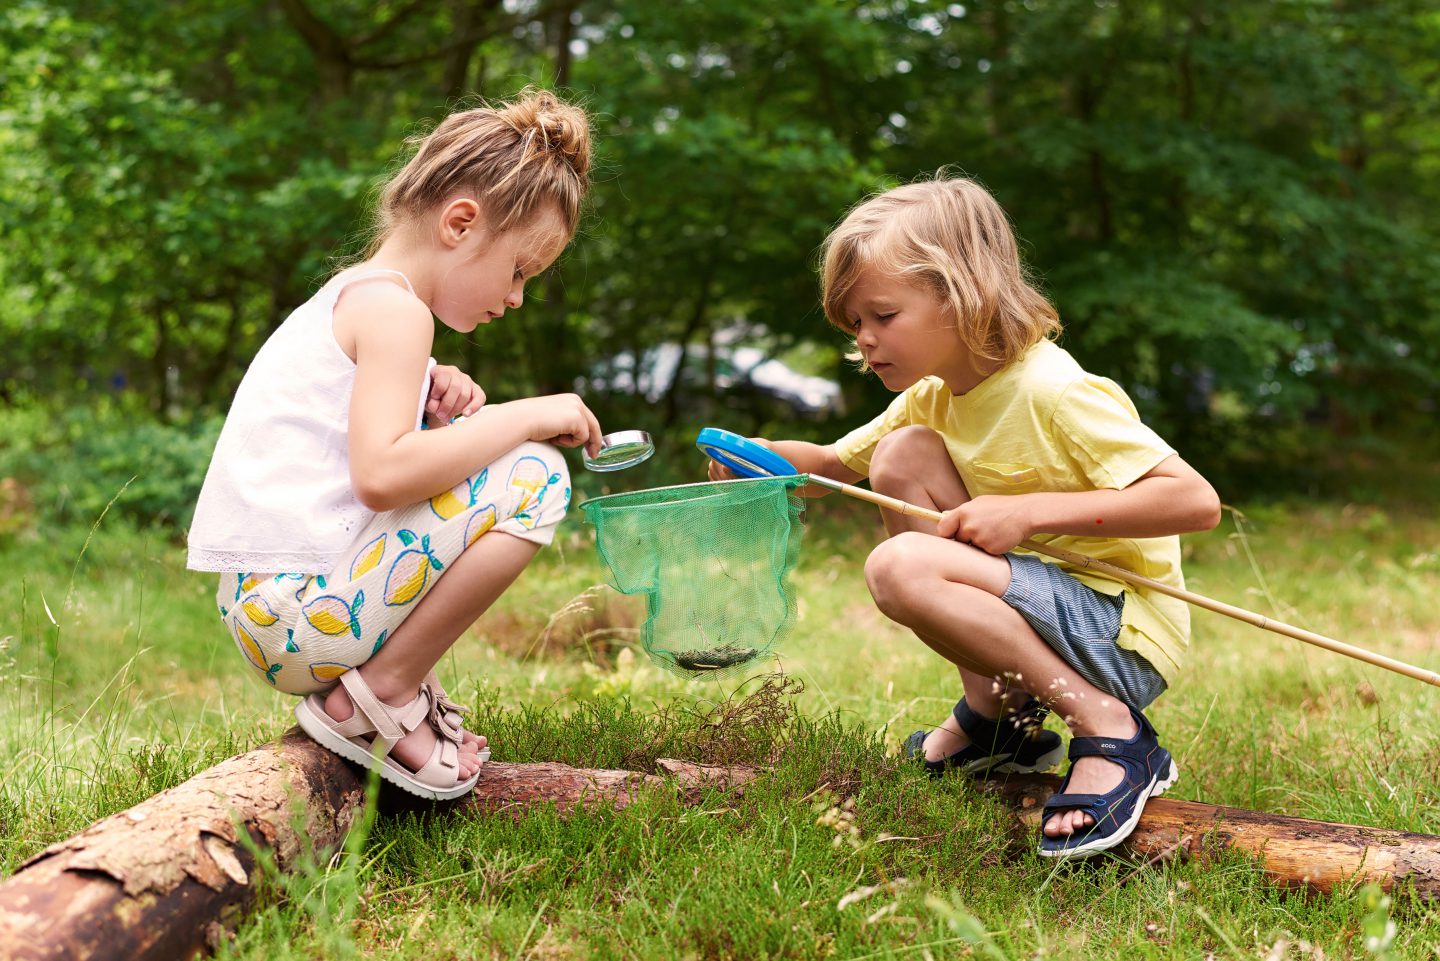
[999, 428]
[355, 547]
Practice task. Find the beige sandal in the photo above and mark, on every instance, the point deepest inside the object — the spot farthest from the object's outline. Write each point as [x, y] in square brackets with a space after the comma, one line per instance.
[438, 778]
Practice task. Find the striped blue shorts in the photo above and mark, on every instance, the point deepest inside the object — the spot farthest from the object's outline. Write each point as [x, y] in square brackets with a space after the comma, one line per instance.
[1081, 625]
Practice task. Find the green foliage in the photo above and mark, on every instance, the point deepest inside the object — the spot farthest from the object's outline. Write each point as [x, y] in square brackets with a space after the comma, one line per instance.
[1229, 202]
[82, 463]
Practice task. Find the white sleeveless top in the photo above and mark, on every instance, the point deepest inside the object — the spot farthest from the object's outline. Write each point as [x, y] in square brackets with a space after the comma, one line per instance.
[277, 497]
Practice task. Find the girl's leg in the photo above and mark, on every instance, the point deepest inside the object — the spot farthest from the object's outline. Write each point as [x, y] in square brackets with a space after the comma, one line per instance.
[478, 536]
[949, 594]
[469, 586]
[913, 465]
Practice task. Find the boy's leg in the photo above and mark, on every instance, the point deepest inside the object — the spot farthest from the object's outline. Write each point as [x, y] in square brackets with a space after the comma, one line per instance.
[913, 465]
[949, 594]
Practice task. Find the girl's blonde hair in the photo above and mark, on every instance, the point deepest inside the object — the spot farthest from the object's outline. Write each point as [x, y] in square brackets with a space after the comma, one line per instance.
[949, 236]
[517, 158]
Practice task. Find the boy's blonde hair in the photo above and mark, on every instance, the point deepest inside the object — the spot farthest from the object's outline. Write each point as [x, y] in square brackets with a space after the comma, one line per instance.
[949, 236]
[516, 158]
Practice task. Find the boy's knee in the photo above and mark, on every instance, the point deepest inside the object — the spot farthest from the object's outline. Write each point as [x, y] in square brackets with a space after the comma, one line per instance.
[894, 571]
[896, 456]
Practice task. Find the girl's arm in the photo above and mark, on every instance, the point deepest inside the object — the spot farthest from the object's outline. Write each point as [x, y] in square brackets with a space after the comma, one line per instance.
[391, 463]
[1171, 499]
[808, 459]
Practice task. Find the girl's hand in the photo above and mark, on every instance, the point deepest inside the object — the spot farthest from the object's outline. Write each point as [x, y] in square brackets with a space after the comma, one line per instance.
[452, 394]
[995, 523]
[561, 419]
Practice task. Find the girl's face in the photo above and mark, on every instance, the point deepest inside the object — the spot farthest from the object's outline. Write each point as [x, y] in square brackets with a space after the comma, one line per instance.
[483, 275]
[904, 334]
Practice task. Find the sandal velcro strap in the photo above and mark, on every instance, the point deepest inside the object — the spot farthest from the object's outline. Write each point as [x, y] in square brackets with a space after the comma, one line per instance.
[1110, 747]
[387, 726]
[446, 717]
[982, 731]
[446, 721]
[1072, 802]
[1018, 743]
[1000, 735]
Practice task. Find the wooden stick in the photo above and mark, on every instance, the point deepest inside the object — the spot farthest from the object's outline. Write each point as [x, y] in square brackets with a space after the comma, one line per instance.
[1139, 580]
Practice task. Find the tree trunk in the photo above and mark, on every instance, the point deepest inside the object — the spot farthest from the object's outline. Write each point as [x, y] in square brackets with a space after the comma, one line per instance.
[1294, 852]
[165, 879]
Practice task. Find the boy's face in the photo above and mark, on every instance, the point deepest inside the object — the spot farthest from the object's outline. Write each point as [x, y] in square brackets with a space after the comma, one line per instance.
[903, 332]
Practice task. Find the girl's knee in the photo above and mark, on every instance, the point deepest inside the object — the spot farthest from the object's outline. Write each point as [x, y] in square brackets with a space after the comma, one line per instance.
[901, 452]
[538, 484]
[558, 471]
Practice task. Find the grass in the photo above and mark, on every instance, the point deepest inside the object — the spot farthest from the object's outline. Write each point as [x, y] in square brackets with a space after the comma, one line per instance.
[116, 681]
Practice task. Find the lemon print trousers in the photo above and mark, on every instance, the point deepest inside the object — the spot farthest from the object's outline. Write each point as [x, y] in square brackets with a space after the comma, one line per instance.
[300, 632]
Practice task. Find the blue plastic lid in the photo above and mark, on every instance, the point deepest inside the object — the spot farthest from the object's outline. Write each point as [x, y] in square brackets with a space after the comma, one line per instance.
[742, 455]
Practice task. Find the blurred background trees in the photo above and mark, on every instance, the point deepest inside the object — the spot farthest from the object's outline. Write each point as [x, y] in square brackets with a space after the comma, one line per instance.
[1233, 204]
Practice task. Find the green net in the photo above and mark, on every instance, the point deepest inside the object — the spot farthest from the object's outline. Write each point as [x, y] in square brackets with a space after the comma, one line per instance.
[713, 561]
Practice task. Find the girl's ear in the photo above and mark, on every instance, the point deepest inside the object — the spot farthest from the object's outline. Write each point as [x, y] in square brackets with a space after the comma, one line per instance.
[458, 219]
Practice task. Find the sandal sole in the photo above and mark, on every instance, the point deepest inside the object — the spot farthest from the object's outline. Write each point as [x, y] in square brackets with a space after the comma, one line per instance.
[1157, 788]
[1043, 763]
[319, 731]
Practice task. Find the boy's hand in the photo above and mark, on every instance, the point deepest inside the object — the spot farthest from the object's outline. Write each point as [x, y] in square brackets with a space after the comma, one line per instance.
[452, 394]
[562, 419]
[995, 523]
[719, 472]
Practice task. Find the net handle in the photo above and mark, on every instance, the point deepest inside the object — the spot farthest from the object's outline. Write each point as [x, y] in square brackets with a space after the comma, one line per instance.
[1139, 580]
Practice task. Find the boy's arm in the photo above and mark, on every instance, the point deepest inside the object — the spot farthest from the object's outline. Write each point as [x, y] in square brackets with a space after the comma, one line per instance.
[1172, 498]
[806, 457]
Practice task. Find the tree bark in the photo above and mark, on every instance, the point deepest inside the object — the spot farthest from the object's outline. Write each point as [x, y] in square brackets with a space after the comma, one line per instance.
[1294, 852]
[166, 879]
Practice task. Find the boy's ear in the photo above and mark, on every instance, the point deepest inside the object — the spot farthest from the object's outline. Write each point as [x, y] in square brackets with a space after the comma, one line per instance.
[458, 219]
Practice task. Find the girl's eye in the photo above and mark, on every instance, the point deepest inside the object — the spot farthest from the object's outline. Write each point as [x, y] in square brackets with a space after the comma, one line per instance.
[886, 316]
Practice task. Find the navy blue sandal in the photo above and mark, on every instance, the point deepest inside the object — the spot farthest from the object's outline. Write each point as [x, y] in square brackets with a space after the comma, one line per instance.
[1149, 770]
[1017, 745]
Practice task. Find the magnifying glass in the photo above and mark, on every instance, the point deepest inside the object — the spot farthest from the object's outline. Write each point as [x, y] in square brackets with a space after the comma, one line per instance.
[743, 456]
[622, 449]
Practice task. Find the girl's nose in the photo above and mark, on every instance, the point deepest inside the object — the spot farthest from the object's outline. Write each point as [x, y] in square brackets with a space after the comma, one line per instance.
[864, 337]
[516, 297]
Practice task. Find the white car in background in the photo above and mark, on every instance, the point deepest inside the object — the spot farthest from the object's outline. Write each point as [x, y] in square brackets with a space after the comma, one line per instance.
[737, 369]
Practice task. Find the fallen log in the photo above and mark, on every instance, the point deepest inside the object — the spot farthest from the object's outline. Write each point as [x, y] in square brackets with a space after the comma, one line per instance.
[167, 878]
[1294, 852]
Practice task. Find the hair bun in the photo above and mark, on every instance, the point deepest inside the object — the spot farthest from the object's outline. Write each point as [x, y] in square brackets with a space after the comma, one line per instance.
[553, 126]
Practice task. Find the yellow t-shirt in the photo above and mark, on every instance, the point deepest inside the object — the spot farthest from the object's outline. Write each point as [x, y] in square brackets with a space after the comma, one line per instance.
[1043, 424]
